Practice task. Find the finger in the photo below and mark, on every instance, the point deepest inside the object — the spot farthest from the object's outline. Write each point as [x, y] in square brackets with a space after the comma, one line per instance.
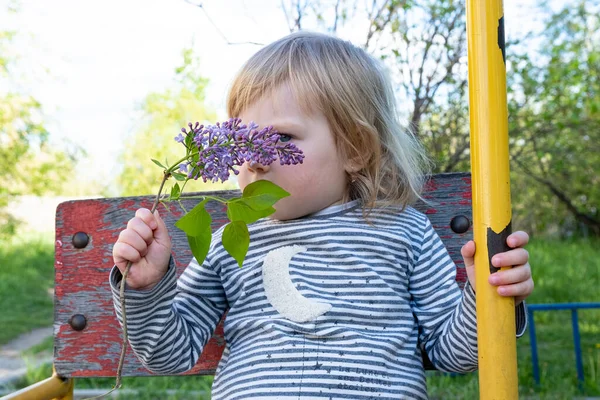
[161, 233]
[468, 253]
[133, 239]
[511, 276]
[517, 239]
[122, 253]
[518, 290]
[145, 215]
[140, 227]
[509, 258]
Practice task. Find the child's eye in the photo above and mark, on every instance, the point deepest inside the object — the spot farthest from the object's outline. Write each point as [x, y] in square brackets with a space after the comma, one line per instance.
[284, 137]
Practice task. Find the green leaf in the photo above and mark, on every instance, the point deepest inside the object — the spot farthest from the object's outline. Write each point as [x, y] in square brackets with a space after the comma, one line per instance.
[236, 240]
[262, 194]
[196, 225]
[158, 163]
[256, 202]
[196, 221]
[175, 192]
[238, 210]
[200, 245]
[179, 176]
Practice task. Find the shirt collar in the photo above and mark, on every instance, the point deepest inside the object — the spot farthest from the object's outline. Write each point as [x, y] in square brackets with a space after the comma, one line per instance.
[334, 209]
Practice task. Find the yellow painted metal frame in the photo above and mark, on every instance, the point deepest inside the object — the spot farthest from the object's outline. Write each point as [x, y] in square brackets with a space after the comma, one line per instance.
[496, 330]
[53, 388]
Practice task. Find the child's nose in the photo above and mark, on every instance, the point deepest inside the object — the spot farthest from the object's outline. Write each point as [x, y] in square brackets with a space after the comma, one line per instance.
[258, 167]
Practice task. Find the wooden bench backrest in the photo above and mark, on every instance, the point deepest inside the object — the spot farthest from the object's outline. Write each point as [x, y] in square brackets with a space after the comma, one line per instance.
[88, 339]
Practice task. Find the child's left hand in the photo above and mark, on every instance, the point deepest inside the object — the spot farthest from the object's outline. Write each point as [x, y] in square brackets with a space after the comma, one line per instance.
[515, 282]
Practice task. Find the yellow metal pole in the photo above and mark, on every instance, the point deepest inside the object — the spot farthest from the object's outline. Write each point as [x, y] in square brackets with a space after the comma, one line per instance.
[496, 330]
[53, 388]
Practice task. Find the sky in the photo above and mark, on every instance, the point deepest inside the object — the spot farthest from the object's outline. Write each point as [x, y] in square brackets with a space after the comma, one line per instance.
[91, 63]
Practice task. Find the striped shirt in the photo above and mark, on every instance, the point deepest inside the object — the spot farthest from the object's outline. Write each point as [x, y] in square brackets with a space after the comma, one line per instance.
[360, 303]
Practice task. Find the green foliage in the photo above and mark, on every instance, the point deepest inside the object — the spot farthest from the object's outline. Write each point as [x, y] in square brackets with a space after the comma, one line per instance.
[163, 114]
[236, 240]
[175, 192]
[239, 210]
[261, 195]
[256, 202]
[196, 225]
[28, 163]
[554, 98]
[444, 130]
[26, 278]
[554, 103]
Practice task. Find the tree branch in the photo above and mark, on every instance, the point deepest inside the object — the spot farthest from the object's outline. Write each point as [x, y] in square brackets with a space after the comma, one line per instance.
[201, 6]
[587, 219]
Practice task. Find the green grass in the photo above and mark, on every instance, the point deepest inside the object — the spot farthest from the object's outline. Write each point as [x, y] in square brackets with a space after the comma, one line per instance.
[26, 277]
[43, 348]
[563, 272]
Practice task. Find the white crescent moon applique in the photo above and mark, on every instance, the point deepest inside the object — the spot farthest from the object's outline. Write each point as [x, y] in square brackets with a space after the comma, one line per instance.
[282, 293]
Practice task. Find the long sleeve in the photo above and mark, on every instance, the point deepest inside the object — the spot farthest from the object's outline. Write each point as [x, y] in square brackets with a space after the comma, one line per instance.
[450, 342]
[169, 325]
[446, 316]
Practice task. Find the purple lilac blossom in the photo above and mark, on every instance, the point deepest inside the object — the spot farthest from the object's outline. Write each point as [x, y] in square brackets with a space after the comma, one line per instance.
[219, 149]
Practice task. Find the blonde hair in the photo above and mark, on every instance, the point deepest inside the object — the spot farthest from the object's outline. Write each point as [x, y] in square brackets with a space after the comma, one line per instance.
[354, 92]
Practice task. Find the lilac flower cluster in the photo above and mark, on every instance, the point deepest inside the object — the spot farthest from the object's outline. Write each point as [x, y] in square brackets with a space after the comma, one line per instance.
[214, 151]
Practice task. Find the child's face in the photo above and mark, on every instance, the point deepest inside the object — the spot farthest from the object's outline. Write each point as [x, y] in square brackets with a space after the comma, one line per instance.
[317, 183]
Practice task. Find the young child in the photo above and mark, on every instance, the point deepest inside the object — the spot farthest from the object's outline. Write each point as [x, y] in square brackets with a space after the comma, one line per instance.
[372, 285]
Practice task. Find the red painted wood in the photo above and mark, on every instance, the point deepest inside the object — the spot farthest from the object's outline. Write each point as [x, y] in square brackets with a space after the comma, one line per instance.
[81, 275]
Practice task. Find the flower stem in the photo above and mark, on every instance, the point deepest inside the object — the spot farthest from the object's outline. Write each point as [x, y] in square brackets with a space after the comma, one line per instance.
[204, 196]
[166, 176]
[176, 163]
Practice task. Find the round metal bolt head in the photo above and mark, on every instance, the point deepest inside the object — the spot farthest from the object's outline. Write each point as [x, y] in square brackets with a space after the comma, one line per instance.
[460, 224]
[78, 322]
[80, 240]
